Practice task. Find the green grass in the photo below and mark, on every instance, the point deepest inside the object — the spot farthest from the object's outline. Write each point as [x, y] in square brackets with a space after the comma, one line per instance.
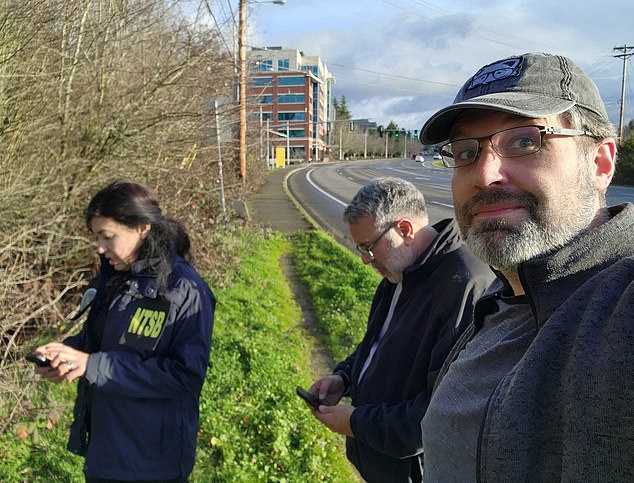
[340, 287]
[252, 427]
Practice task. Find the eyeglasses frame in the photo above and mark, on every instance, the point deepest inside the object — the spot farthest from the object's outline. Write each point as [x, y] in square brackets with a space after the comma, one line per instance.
[543, 131]
[367, 250]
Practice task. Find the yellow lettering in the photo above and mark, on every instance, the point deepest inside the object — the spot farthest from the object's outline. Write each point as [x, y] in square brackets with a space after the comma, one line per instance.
[146, 314]
[136, 320]
[147, 322]
[150, 324]
[158, 324]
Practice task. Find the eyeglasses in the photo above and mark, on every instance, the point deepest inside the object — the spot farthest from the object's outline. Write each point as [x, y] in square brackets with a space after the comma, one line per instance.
[509, 143]
[367, 250]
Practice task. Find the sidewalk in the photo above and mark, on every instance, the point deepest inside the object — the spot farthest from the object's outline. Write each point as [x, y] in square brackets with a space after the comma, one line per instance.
[271, 206]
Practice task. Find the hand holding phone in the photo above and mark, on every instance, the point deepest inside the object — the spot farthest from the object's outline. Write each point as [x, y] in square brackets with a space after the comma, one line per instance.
[39, 359]
[311, 399]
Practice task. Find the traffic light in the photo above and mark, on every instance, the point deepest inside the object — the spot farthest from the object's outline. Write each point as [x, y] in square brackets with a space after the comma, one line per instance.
[396, 134]
[380, 129]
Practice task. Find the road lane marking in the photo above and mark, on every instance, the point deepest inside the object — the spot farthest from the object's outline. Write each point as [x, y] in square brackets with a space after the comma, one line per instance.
[438, 187]
[441, 204]
[309, 179]
[344, 204]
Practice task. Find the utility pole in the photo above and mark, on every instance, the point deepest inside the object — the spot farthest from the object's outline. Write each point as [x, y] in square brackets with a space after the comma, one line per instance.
[242, 93]
[625, 55]
[405, 145]
[365, 144]
[220, 177]
[340, 142]
[288, 143]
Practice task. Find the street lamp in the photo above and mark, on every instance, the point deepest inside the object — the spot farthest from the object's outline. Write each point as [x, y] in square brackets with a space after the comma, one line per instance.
[242, 81]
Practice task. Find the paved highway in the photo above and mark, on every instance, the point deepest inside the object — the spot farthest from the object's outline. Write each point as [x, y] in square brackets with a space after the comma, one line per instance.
[325, 189]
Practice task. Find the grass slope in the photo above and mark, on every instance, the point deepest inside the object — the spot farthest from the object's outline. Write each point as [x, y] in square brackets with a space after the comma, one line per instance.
[252, 425]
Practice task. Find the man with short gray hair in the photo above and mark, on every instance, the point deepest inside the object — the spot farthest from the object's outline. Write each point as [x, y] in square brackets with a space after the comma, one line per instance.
[423, 303]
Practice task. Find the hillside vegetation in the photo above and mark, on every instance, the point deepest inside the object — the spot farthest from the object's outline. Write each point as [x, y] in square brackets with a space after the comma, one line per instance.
[253, 426]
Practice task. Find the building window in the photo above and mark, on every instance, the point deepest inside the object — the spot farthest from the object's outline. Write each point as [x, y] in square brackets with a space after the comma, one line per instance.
[311, 68]
[264, 65]
[290, 99]
[283, 64]
[265, 99]
[291, 81]
[262, 81]
[296, 133]
[291, 116]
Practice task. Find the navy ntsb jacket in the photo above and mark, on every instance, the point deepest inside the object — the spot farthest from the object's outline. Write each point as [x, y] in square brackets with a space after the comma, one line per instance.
[136, 414]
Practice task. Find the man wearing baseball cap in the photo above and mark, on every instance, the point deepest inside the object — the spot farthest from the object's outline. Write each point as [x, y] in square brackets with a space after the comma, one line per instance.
[540, 387]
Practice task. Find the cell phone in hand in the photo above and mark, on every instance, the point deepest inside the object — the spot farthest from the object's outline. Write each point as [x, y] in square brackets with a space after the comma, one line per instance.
[311, 399]
[39, 359]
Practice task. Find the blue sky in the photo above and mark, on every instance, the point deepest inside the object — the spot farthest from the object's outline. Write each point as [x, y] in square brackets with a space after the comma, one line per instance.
[402, 60]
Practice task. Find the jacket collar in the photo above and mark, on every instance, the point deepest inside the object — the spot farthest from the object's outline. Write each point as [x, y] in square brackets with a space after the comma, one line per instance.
[448, 239]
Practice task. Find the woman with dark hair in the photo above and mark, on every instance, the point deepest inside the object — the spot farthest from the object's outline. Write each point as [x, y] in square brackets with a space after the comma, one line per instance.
[143, 352]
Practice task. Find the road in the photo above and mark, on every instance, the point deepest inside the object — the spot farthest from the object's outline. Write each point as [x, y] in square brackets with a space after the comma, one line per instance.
[325, 189]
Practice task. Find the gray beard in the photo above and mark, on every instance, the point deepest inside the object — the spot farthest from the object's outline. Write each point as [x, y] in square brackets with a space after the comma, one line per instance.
[505, 247]
[399, 258]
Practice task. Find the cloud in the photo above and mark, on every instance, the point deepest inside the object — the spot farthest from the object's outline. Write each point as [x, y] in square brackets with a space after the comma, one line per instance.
[402, 60]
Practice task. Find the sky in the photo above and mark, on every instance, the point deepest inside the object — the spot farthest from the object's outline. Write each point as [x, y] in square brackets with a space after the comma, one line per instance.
[402, 60]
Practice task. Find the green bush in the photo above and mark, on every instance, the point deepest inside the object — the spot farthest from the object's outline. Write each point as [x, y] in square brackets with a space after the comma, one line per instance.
[624, 174]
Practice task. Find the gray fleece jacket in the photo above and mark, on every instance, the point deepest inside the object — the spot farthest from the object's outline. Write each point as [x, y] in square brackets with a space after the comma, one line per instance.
[565, 412]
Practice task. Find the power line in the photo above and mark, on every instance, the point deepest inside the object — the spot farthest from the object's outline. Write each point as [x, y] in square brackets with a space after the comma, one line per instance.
[395, 76]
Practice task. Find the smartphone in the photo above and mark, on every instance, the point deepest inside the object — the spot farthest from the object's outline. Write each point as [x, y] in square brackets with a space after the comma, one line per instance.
[38, 359]
[314, 401]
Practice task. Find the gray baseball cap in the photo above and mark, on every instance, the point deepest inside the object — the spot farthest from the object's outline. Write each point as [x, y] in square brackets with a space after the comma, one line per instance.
[532, 85]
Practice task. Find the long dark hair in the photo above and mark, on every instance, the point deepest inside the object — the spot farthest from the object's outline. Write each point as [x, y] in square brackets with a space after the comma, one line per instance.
[132, 205]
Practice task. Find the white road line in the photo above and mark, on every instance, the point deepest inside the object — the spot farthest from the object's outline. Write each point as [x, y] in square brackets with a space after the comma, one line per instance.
[322, 191]
[408, 172]
[441, 204]
[438, 187]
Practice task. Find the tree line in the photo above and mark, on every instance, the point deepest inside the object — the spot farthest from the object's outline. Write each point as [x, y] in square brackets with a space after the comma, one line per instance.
[382, 141]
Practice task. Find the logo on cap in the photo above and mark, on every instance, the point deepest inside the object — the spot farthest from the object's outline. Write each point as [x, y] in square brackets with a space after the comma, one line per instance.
[496, 71]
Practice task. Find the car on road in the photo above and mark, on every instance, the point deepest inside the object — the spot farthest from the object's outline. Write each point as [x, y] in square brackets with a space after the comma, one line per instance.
[420, 154]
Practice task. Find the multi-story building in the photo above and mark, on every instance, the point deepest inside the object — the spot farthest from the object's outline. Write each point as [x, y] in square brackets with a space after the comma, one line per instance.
[290, 99]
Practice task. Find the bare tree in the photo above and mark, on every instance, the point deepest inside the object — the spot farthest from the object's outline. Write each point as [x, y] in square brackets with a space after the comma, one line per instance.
[92, 90]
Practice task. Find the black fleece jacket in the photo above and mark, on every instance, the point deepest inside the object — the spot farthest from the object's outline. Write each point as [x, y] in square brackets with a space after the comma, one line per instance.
[435, 305]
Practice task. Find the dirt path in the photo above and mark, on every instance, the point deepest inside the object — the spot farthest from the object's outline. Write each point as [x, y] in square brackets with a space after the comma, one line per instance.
[321, 362]
[271, 207]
